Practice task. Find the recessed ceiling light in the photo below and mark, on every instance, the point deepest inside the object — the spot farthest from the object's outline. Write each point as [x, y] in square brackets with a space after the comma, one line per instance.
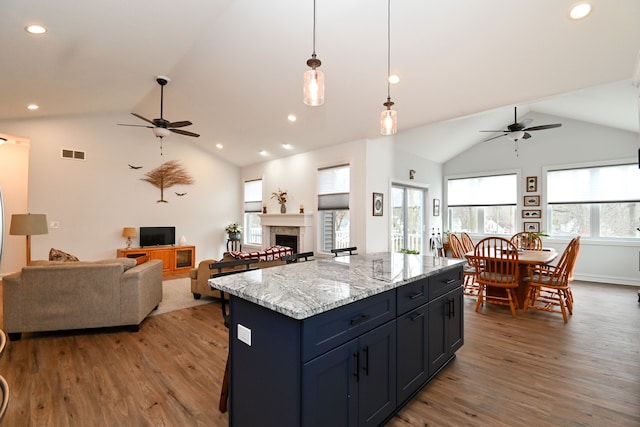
[35, 29]
[292, 117]
[263, 152]
[580, 10]
[287, 146]
[394, 79]
[32, 107]
[219, 146]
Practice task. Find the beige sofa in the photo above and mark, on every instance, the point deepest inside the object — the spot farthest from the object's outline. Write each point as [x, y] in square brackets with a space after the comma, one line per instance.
[54, 295]
[201, 274]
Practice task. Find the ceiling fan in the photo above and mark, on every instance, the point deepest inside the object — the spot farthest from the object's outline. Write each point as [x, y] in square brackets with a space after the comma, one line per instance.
[519, 130]
[162, 127]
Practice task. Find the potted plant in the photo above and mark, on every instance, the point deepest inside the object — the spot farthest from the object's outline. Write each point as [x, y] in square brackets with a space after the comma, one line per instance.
[234, 230]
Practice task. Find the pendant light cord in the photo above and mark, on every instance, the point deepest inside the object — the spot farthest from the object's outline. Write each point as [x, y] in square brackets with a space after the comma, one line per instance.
[388, 49]
[313, 55]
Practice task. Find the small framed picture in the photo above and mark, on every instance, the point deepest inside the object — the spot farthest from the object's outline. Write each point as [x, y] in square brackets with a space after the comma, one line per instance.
[532, 227]
[532, 184]
[436, 207]
[377, 204]
[531, 213]
[532, 200]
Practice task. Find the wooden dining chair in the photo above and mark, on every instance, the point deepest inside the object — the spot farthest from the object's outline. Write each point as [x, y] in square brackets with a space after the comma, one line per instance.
[549, 285]
[4, 403]
[470, 287]
[467, 242]
[526, 240]
[496, 263]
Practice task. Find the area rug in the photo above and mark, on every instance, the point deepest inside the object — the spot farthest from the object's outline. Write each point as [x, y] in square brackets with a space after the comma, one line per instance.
[176, 295]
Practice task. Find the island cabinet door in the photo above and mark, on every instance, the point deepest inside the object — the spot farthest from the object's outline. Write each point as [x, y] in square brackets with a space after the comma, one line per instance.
[377, 376]
[455, 321]
[353, 384]
[413, 358]
[445, 328]
[330, 388]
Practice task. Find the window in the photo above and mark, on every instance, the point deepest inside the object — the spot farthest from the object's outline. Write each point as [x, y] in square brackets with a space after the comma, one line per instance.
[407, 218]
[483, 205]
[252, 207]
[333, 207]
[596, 202]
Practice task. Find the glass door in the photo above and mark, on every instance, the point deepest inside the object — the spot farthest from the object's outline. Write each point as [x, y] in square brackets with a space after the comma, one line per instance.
[407, 218]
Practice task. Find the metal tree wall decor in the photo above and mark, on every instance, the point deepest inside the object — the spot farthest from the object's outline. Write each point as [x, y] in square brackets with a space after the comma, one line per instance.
[167, 175]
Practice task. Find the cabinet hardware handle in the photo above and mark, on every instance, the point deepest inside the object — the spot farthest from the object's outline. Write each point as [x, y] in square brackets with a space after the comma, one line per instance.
[416, 295]
[356, 356]
[450, 281]
[416, 316]
[366, 359]
[360, 319]
[452, 304]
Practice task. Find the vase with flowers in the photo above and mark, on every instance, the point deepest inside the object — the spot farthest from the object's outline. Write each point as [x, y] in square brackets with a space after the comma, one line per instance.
[234, 230]
[281, 197]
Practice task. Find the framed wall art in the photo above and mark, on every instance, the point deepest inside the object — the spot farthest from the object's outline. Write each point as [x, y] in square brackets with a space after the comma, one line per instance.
[531, 213]
[377, 204]
[532, 200]
[532, 227]
[532, 184]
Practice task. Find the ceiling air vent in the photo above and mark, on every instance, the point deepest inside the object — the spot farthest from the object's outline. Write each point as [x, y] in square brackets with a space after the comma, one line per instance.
[73, 154]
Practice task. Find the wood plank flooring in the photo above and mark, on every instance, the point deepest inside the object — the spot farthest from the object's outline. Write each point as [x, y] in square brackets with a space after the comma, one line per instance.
[530, 371]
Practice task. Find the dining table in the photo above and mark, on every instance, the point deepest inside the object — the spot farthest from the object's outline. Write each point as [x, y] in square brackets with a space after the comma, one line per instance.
[526, 258]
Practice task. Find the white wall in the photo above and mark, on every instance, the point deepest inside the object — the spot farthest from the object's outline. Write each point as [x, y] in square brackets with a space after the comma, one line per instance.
[93, 199]
[14, 180]
[574, 143]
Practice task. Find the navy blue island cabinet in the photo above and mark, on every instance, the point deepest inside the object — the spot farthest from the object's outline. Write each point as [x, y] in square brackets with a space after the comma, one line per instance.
[354, 365]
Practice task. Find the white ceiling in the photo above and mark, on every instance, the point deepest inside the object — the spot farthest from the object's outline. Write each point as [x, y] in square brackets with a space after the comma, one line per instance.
[236, 67]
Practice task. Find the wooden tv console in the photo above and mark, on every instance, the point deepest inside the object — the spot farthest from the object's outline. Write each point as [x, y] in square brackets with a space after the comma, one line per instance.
[175, 259]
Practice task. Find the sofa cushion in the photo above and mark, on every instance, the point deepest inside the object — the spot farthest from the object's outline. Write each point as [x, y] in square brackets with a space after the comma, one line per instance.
[58, 255]
[127, 263]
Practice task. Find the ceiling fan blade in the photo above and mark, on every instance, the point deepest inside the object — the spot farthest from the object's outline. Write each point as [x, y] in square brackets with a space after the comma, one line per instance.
[494, 137]
[143, 118]
[184, 132]
[137, 126]
[526, 135]
[542, 127]
[501, 130]
[179, 124]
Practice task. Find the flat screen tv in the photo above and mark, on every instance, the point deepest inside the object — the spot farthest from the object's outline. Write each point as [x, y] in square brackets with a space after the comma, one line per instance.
[157, 236]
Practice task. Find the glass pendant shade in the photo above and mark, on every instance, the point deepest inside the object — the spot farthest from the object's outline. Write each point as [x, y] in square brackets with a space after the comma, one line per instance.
[389, 122]
[314, 87]
[514, 136]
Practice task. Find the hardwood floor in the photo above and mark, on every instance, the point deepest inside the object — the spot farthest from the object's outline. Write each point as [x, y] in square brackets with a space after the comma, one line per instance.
[530, 371]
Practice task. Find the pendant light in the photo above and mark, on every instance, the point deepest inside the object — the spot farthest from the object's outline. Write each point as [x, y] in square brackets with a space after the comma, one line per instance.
[314, 78]
[389, 117]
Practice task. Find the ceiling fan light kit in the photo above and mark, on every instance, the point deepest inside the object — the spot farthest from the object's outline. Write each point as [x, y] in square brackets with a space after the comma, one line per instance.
[314, 78]
[388, 117]
[161, 127]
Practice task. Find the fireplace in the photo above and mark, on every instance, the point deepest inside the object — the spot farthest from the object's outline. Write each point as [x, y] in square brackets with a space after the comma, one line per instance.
[287, 240]
[296, 228]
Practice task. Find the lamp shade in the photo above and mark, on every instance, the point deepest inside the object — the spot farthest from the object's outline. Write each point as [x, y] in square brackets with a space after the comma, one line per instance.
[161, 132]
[515, 136]
[28, 224]
[128, 232]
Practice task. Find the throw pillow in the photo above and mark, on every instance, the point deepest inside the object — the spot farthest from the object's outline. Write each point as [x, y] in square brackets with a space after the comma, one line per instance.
[58, 255]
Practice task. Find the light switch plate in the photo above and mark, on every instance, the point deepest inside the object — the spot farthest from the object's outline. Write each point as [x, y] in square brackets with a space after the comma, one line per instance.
[244, 334]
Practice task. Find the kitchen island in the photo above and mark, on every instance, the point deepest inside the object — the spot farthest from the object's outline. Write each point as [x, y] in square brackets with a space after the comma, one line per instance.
[339, 341]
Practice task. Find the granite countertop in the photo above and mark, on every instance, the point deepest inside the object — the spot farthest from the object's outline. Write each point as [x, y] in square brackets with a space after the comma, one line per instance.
[304, 289]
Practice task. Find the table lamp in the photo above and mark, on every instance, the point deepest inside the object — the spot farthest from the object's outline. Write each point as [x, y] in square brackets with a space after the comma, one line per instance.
[128, 232]
[28, 225]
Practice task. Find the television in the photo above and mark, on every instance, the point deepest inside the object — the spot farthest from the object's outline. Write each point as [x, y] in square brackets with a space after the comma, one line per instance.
[157, 236]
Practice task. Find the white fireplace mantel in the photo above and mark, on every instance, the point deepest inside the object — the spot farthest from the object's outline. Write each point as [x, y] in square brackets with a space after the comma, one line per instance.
[286, 220]
[302, 222]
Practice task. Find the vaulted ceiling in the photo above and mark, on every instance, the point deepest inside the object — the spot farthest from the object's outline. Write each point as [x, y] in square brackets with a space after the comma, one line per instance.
[236, 67]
